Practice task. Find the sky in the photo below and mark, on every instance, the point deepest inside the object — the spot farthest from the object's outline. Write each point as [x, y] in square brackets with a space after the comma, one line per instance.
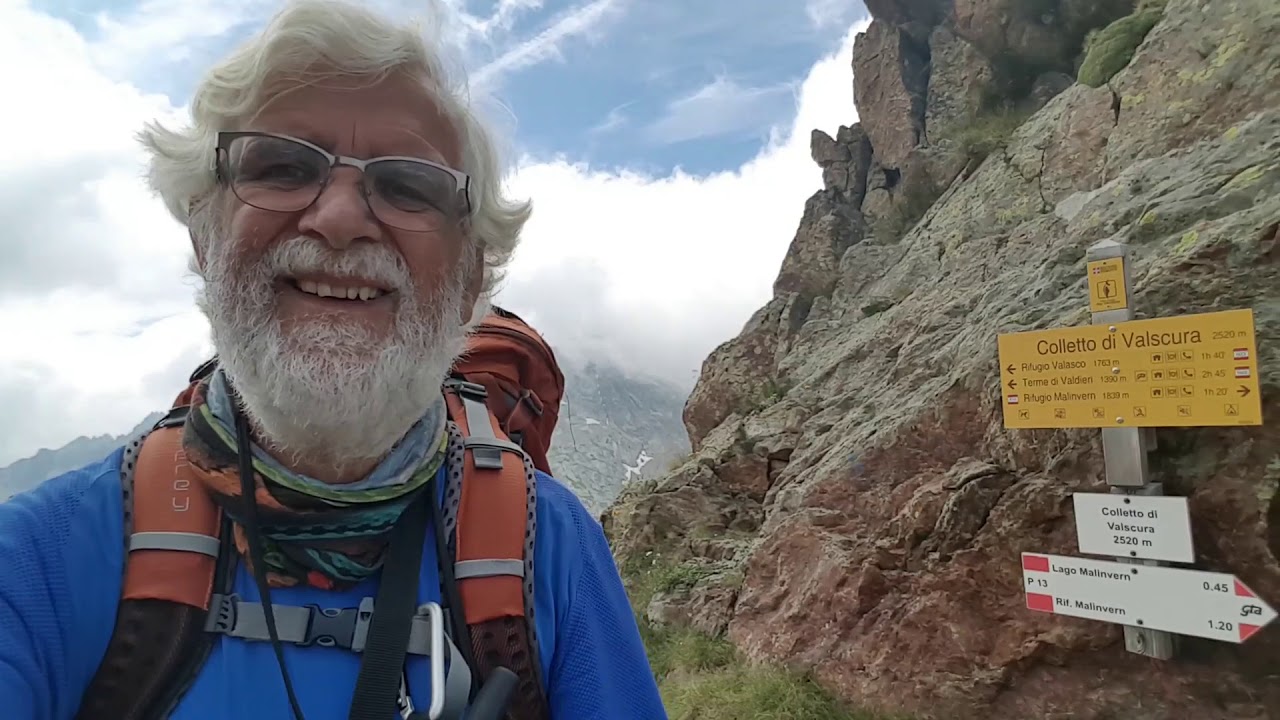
[664, 144]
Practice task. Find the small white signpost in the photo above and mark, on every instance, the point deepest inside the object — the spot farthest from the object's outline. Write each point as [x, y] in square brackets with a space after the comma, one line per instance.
[1186, 602]
[1154, 527]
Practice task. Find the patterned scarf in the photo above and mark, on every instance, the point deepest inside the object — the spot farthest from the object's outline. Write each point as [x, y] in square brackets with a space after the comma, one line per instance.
[326, 536]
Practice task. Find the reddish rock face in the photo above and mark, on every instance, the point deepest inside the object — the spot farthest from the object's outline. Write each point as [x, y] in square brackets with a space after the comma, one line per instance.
[890, 75]
[854, 500]
[905, 588]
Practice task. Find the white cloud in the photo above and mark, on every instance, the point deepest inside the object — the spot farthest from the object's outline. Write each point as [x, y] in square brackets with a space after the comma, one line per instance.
[579, 21]
[160, 32]
[832, 13]
[655, 272]
[615, 120]
[719, 108]
[503, 18]
[652, 271]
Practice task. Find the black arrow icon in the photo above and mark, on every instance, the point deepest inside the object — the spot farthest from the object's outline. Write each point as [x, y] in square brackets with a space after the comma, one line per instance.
[1013, 384]
[1243, 391]
[1010, 368]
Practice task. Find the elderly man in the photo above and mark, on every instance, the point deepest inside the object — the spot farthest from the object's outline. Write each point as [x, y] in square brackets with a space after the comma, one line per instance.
[319, 530]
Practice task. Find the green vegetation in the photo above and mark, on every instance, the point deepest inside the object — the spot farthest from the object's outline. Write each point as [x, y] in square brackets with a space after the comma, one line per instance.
[705, 678]
[770, 392]
[1109, 50]
[737, 692]
[988, 132]
[914, 196]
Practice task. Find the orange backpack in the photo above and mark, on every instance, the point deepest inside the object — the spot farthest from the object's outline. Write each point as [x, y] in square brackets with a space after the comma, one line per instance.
[505, 389]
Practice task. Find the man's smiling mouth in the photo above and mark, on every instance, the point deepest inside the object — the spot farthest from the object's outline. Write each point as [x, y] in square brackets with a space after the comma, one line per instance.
[338, 289]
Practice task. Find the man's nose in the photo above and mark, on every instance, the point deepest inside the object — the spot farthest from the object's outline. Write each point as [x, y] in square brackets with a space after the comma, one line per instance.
[341, 215]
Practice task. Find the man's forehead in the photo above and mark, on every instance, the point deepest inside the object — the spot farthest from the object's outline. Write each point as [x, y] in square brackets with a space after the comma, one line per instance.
[397, 112]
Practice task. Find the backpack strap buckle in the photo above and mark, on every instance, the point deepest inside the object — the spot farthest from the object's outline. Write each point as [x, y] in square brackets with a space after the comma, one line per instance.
[346, 628]
[343, 627]
[467, 389]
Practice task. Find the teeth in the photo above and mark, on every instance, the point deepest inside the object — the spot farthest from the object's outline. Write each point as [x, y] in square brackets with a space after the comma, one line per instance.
[345, 293]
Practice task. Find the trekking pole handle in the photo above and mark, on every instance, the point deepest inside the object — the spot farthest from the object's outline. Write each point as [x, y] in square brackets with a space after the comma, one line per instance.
[494, 696]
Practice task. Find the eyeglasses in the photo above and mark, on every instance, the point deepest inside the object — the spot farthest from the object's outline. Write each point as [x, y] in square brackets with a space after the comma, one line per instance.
[285, 174]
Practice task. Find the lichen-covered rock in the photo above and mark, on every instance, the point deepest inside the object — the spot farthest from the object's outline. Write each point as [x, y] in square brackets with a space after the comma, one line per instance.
[1028, 31]
[889, 83]
[903, 507]
[1200, 71]
[959, 84]
[874, 501]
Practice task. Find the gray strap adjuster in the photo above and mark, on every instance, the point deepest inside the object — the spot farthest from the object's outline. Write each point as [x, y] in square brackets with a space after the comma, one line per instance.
[310, 625]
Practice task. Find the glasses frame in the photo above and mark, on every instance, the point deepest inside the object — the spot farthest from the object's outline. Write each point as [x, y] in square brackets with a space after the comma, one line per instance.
[222, 171]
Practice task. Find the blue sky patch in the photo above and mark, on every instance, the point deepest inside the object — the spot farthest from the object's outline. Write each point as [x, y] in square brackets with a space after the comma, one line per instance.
[647, 86]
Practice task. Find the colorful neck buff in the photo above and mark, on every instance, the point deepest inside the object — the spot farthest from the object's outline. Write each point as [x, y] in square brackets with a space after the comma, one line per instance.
[314, 533]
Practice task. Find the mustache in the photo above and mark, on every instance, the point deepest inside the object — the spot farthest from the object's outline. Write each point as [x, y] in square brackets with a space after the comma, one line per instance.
[366, 260]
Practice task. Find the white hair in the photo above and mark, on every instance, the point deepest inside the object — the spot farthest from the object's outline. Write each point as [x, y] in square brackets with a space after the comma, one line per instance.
[353, 41]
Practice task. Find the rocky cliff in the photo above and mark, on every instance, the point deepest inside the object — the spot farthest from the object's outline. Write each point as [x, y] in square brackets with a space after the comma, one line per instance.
[853, 505]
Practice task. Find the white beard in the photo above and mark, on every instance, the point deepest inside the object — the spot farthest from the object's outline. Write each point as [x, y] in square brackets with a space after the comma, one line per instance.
[330, 390]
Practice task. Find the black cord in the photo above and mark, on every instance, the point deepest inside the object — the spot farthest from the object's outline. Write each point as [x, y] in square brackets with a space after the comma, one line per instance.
[248, 492]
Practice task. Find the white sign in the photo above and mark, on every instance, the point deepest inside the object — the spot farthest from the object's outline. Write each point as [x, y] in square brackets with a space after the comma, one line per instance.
[1137, 526]
[1187, 602]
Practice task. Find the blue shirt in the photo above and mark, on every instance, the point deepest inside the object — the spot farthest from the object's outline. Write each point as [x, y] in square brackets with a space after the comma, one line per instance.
[62, 545]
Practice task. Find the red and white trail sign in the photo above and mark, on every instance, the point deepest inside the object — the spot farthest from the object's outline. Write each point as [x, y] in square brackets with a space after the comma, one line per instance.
[1186, 602]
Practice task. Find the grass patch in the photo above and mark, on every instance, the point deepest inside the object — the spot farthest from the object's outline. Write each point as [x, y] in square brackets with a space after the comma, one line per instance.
[738, 692]
[705, 678]
[770, 392]
[988, 132]
[676, 651]
[1109, 50]
[680, 577]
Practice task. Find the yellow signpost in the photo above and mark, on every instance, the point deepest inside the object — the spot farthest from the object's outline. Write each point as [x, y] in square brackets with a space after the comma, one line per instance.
[1184, 371]
[1107, 285]
[1126, 377]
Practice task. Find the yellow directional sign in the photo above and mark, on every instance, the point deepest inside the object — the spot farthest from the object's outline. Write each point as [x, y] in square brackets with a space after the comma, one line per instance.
[1185, 371]
[1106, 285]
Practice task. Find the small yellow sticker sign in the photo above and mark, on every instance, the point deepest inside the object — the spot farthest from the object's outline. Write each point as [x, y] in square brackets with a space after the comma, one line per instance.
[1185, 371]
[1106, 285]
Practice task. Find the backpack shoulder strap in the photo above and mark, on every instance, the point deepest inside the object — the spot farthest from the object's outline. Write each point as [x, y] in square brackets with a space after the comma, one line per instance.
[493, 548]
[175, 544]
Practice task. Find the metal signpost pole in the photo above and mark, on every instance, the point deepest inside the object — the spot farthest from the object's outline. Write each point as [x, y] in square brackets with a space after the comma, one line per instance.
[1124, 449]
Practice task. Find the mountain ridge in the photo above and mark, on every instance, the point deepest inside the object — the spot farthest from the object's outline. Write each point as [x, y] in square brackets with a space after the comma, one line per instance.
[609, 418]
